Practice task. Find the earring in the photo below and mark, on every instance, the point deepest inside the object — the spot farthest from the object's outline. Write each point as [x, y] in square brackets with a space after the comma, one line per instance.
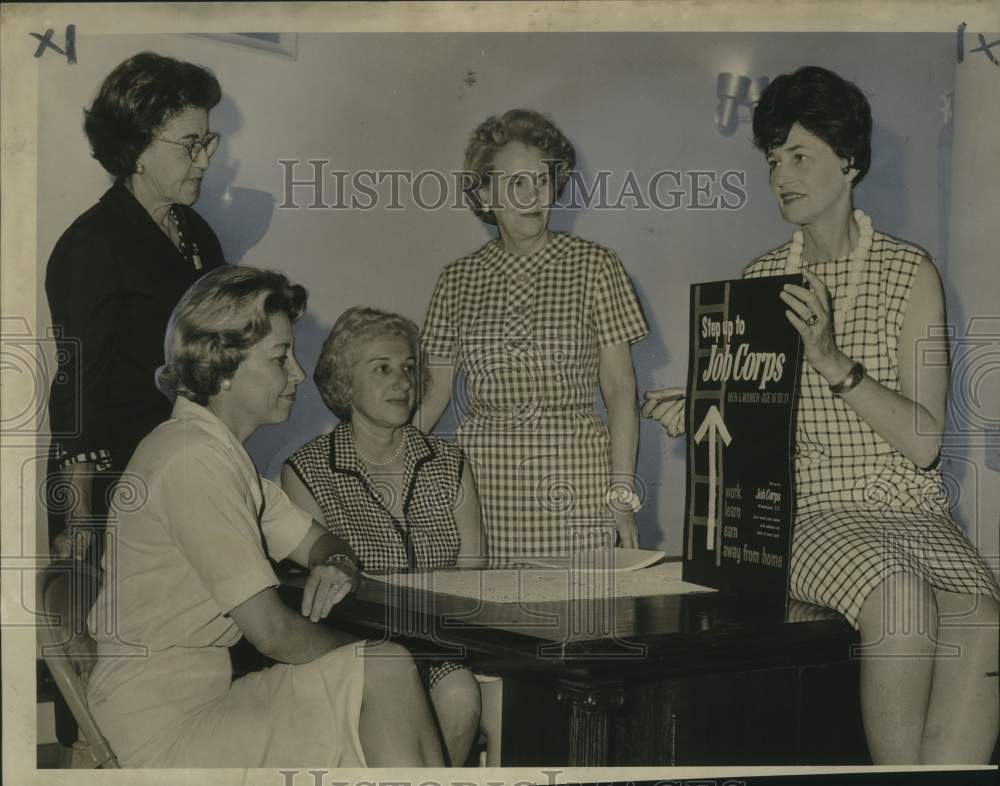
[139, 169]
[226, 384]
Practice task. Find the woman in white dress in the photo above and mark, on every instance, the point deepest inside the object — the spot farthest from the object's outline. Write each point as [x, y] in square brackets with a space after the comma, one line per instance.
[190, 573]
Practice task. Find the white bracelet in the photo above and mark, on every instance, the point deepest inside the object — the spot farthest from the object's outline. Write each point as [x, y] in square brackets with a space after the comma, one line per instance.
[623, 496]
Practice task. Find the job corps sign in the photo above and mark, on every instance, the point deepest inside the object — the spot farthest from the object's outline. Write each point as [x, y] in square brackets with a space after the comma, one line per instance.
[743, 375]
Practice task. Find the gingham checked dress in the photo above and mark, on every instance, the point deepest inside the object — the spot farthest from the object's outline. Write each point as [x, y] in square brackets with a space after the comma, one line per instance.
[864, 511]
[526, 334]
[353, 507]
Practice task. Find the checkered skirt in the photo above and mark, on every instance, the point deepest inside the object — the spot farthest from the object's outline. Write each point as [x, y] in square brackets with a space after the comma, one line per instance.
[864, 511]
[526, 333]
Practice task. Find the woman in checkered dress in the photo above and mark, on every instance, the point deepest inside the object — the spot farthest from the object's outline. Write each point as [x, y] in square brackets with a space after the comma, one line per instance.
[402, 499]
[535, 320]
[873, 538]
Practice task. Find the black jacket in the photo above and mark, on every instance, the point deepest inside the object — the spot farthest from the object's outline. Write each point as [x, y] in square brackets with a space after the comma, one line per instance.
[112, 281]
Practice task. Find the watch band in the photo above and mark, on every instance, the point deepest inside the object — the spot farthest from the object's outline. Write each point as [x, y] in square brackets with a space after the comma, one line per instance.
[100, 458]
[340, 561]
[854, 376]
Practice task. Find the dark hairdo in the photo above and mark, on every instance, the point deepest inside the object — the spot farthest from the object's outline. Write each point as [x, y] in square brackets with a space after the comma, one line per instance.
[136, 99]
[340, 353]
[517, 125]
[219, 318]
[825, 105]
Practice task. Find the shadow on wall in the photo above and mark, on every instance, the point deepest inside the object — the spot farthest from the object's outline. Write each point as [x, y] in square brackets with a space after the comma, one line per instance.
[880, 192]
[970, 446]
[946, 145]
[564, 214]
[240, 217]
[960, 470]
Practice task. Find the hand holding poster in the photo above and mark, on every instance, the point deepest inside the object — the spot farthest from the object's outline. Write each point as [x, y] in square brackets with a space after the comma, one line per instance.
[743, 377]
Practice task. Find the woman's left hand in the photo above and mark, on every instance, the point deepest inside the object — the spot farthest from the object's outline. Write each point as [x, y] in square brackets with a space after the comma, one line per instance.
[628, 530]
[810, 312]
[326, 586]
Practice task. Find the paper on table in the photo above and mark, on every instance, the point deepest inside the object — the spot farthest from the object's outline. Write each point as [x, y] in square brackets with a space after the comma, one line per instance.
[530, 584]
[599, 559]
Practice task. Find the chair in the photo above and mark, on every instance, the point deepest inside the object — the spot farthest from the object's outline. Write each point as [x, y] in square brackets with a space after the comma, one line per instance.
[69, 652]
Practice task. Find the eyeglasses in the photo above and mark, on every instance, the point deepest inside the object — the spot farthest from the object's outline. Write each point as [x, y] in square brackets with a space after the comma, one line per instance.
[209, 143]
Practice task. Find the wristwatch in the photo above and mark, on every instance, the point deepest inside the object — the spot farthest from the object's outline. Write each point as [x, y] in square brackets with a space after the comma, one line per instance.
[342, 561]
[854, 376]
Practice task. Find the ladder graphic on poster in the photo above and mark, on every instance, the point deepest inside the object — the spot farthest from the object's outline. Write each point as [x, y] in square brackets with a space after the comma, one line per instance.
[713, 481]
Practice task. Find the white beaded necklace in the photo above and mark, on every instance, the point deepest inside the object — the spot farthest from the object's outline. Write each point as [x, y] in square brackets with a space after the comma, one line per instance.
[371, 462]
[859, 257]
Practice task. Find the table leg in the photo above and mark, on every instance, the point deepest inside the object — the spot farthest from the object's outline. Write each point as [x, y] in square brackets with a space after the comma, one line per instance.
[590, 720]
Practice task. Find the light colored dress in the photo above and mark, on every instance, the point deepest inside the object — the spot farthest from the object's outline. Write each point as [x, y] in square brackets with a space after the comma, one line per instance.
[187, 548]
[864, 511]
[526, 333]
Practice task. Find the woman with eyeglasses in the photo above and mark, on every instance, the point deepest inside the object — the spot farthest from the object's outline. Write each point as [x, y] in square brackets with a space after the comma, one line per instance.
[117, 273]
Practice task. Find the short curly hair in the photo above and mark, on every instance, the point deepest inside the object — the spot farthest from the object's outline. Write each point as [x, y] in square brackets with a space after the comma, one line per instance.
[136, 99]
[517, 125]
[825, 105]
[340, 352]
[216, 322]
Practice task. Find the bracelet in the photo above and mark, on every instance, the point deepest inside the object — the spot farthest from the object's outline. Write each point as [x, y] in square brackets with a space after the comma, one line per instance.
[854, 376]
[340, 560]
[621, 495]
[100, 458]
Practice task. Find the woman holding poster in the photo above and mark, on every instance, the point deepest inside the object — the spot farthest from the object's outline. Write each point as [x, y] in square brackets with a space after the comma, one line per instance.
[873, 538]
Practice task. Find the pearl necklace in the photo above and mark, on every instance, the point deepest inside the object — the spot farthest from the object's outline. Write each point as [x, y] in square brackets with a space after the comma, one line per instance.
[844, 302]
[371, 462]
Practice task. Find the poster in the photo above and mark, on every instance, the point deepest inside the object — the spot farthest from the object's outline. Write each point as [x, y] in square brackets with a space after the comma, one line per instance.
[743, 373]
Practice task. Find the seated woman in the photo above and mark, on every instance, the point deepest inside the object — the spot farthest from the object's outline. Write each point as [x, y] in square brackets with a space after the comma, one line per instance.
[188, 573]
[873, 538]
[401, 499]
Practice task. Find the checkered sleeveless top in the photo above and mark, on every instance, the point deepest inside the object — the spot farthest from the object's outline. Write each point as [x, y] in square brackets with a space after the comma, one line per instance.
[865, 512]
[839, 458]
[354, 506]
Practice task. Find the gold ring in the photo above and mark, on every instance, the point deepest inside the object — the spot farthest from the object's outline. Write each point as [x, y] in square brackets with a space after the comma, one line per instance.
[812, 320]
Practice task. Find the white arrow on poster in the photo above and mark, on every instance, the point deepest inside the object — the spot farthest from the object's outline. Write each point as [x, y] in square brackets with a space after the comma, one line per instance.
[712, 424]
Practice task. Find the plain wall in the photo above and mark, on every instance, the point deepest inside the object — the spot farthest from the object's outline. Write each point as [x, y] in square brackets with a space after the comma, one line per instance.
[629, 102]
[972, 444]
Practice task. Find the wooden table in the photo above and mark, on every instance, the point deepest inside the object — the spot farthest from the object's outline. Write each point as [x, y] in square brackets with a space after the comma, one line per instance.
[665, 680]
